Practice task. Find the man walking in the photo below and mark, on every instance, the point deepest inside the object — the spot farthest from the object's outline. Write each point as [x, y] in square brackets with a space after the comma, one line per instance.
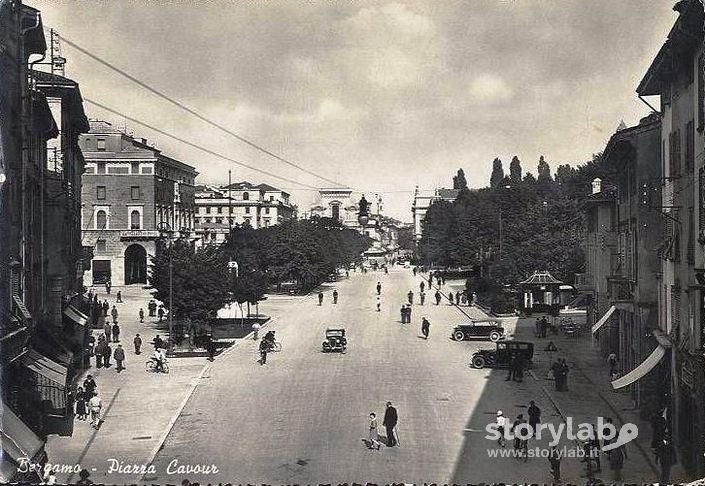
[534, 416]
[390, 422]
[116, 332]
[379, 304]
[554, 459]
[422, 296]
[152, 308]
[107, 353]
[118, 297]
[408, 314]
[335, 296]
[95, 405]
[422, 286]
[141, 314]
[379, 288]
[106, 308]
[107, 287]
[114, 314]
[89, 386]
[438, 298]
[425, 327]
[410, 296]
[512, 368]
[263, 349]
[666, 457]
[138, 343]
[119, 355]
[320, 298]
[161, 313]
[107, 330]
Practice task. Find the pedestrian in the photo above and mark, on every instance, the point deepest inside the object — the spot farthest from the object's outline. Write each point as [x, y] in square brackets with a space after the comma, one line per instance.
[119, 355]
[161, 313]
[438, 297]
[335, 296]
[138, 343]
[379, 288]
[320, 298]
[98, 350]
[457, 298]
[425, 327]
[512, 367]
[422, 297]
[373, 434]
[410, 297]
[116, 332]
[537, 326]
[210, 348]
[107, 287]
[501, 422]
[544, 326]
[106, 308]
[422, 286]
[152, 308]
[519, 368]
[402, 311]
[616, 459]
[534, 413]
[347, 273]
[564, 374]
[81, 404]
[666, 458]
[84, 475]
[379, 304]
[255, 331]
[158, 342]
[430, 280]
[95, 405]
[89, 386]
[408, 314]
[612, 363]
[114, 314]
[141, 314]
[450, 298]
[414, 270]
[554, 459]
[107, 353]
[119, 297]
[391, 419]
[518, 441]
[263, 348]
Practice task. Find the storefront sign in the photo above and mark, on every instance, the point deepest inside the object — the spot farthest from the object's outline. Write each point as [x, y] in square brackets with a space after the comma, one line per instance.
[139, 234]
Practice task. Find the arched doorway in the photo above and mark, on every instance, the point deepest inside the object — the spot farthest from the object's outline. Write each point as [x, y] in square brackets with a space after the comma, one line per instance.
[135, 264]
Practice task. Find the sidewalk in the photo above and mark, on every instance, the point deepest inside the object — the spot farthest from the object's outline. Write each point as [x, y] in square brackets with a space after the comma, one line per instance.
[591, 395]
[138, 407]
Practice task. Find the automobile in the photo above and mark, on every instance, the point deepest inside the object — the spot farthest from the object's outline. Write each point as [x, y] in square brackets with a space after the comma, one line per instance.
[487, 329]
[502, 354]
[335, 341]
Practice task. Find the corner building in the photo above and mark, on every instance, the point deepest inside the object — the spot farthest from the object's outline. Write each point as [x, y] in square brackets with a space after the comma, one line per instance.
[130, 190]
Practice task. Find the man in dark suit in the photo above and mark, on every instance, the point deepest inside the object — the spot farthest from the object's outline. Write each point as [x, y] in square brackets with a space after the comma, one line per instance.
[390, 421]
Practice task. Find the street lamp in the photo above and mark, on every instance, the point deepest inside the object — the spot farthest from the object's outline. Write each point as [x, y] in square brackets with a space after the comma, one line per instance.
[166, 231]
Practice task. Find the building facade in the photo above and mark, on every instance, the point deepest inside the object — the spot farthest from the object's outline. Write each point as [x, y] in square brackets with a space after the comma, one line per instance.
[676, 75]
[423, 200]
[241, 203]
[131, 192]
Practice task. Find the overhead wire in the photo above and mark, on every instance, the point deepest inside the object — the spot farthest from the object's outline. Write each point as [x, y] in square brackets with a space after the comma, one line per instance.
[193, 112]
[196, 146]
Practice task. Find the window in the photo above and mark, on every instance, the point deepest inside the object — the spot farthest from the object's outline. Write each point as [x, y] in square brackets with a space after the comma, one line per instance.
[266, 222]
[674, 142]
[266, 210]
[271, 198]
[208, 209]
[100, 193]
[89, 170]
[335, 212]
[100, 145]
[248, 221]
[135, 167]
[134, 219]
[219, 220]
[701, 93]
[247, 209]
[689, 148]
[135, 193]
[245, 196]
[101, 220]
[120, 169]
[100, 246]
[691, 236]
[220, 210]
[146, 170]
[101, 167]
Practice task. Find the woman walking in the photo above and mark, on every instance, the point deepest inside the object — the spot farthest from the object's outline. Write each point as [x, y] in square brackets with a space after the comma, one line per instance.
[81, 412]
[373, 436]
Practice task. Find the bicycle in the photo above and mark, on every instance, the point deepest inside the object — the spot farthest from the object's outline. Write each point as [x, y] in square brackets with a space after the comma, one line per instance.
[151, 365]
[275, 347]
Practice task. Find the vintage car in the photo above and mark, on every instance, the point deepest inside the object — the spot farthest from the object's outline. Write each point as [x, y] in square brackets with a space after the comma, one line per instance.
[501, 356]
[335, 341]
[488, 329]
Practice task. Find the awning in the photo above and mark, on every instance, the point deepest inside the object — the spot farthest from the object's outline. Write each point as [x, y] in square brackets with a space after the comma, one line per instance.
[51, 378]
[640, 371]
[604, 319]
[18, 440]
[76, 315]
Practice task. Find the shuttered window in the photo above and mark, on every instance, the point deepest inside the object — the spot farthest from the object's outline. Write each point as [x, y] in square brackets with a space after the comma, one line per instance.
[691, 235]
[674, 157]
[689, 148]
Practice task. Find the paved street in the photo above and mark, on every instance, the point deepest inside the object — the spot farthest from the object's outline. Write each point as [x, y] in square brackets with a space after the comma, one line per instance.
[301, 418]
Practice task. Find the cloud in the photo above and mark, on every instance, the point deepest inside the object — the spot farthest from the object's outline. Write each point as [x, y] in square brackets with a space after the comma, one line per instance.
[489, 88]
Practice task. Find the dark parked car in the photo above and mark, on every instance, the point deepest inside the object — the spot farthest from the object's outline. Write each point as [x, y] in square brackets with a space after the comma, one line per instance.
[479, 329]
[335, 341]
[502, 354]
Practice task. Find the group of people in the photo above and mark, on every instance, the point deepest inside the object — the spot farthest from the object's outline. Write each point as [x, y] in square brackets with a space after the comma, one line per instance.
[517, 363]
[542, 327]
[560, 374]
[390, 421]
[88, 403]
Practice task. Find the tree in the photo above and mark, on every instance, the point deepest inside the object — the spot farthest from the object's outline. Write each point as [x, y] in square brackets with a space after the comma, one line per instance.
[544, 172]
[497, 173]
[565, 174]
[405, 238]
[459, 181]
[200, 280]
[515, 171]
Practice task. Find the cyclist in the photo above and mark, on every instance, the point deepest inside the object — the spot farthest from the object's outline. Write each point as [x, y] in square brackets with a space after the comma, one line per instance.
[158, 358]
[269, 338]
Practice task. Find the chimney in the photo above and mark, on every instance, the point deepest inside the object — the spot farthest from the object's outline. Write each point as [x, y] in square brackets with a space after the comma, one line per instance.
[597, 185]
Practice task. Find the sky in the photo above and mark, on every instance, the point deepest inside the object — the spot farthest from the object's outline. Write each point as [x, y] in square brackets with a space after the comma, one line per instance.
[379, 96]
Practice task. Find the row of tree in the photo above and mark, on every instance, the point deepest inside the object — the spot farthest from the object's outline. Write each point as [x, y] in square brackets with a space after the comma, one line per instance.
[205, 280]
[515, 226]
